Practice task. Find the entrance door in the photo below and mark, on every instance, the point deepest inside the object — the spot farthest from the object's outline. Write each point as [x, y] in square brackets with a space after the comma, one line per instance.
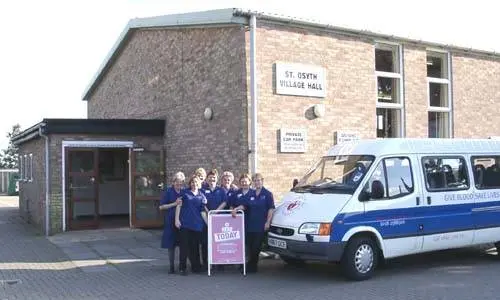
[147, 185]
[82, 188]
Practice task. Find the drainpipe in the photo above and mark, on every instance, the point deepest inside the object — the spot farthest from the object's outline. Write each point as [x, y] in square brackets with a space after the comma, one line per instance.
[253, 92]
[47, 180]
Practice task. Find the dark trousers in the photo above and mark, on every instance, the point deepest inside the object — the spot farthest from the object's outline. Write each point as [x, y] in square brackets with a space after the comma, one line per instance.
[190, 246]
[204, 247]
[253, 243]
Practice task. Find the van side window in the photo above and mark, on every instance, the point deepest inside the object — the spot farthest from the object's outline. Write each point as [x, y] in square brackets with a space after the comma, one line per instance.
[392, 178]
[486, 171]
[445, 173]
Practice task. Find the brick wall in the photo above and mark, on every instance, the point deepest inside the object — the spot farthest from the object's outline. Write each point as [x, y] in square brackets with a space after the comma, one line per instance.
[476, 96]
[174, 75]
[416, 101]
[349, 103]
[32, 193]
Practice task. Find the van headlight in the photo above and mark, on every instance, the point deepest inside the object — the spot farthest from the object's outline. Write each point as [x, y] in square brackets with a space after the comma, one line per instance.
[315, 228]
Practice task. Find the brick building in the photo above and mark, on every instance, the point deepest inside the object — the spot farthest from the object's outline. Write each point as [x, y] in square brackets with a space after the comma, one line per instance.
[246, 91]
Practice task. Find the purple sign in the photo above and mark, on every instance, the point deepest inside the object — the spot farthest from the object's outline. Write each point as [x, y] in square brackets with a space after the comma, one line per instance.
[226, 239]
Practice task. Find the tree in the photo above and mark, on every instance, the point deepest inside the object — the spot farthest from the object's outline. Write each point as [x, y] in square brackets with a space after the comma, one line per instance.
[8, 157]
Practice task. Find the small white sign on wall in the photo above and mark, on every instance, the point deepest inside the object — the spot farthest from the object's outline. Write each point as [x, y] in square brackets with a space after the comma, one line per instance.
[293, 140]
[300, 80]
[345, 136]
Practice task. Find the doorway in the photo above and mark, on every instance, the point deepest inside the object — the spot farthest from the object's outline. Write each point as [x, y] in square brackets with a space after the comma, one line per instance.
[112, 187]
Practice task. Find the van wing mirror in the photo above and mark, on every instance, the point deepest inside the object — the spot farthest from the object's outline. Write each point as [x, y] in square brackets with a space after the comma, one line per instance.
[364, 196]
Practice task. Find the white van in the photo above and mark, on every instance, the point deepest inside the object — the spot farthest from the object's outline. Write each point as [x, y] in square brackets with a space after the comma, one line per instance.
[376, 199]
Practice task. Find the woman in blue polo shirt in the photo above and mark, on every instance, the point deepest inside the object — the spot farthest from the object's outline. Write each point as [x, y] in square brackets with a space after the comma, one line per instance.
[171, 199]
[216, 200]
[258, 213]
[190, 218]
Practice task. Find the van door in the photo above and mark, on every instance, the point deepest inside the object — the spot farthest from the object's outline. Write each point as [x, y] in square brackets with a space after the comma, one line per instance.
[393, 211]
[448, 199]
[486, 211]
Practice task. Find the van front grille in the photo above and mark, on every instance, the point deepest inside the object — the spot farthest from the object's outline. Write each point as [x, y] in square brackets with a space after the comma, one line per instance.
[281, 231]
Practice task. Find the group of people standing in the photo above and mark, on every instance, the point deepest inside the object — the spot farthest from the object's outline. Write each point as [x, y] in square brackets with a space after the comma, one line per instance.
[186, 216]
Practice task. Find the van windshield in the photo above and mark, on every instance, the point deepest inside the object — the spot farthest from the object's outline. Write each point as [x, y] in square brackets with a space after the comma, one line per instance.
[335, 174]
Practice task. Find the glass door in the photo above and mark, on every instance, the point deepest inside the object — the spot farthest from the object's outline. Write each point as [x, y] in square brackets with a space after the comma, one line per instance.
[147, 186]
[82, 188]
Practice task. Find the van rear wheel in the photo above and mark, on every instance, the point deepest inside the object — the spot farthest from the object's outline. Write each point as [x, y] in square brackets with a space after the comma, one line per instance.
[360, 258]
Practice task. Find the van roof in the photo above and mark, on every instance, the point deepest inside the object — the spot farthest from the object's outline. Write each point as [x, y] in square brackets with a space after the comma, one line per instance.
[387, 146]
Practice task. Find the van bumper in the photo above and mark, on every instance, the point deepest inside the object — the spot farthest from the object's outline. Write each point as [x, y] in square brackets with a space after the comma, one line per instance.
[319, 251]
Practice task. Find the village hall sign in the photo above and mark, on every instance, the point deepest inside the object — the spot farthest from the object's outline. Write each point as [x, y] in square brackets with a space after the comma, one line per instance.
[300, 80]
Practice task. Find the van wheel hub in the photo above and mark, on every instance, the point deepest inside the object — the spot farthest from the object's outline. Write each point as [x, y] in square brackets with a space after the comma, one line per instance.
[363, 259]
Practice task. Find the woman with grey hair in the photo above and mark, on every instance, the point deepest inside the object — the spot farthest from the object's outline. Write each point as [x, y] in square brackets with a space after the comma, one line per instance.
[171, 199]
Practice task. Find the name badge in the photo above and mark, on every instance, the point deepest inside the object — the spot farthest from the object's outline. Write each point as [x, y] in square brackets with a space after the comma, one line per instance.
[252, 198]
[207, 192]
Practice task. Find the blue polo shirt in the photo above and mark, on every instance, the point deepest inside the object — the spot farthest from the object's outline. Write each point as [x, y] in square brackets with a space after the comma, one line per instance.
[215, 197]
[192, 206]
[238, 198]
[257, 209]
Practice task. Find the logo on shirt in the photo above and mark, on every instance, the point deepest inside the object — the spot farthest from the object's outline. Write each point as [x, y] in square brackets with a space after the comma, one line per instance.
[227, 234]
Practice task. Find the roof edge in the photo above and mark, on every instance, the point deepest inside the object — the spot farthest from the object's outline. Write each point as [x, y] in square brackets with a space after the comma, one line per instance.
[357, 32]
[209, 17]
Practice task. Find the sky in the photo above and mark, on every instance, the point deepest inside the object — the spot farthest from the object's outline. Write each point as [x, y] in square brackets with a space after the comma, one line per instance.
[51, 49]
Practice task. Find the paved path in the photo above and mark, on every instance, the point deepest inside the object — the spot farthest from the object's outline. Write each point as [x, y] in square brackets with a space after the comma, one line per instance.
[128, 264]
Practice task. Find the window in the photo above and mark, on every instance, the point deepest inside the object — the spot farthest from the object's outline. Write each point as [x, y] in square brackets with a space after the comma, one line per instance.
[336, 174]
[486, 172]
[438, 90]
[388, 72]
[392, 177]
[445, 173]
[21, 167]
[26, 168]
[30, 167]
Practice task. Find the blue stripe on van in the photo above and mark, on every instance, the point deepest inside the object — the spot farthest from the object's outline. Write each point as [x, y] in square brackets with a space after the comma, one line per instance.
[420, 220]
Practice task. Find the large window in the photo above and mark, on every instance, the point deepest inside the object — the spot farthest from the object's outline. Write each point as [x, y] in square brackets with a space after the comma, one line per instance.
[486, 172]
[335, 174]
[445, 173]
[388, 72]
[392, 179]
[438, 90]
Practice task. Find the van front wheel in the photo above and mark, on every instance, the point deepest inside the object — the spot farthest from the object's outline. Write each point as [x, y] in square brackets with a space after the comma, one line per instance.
[360, 258]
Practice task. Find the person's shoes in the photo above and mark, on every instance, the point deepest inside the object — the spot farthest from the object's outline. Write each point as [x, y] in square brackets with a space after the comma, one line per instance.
[171, 271]
[182, 272]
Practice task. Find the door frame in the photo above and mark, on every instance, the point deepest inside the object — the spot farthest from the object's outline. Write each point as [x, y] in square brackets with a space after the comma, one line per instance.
[134, 223]
[97, 145]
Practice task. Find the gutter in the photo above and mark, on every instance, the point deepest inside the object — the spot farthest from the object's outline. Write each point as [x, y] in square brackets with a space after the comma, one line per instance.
[47, 185]
[253, 94]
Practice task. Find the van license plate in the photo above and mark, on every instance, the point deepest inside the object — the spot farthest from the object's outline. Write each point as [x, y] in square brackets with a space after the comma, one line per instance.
[276, 243]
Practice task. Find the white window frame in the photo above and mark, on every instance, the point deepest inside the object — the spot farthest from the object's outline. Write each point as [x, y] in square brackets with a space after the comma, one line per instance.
[446, 81]
[400, 76]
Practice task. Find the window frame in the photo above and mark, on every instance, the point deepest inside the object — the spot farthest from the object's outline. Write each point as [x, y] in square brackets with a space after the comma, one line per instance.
[386, 180]
[397, 49]
[446, 56]
[424, 173]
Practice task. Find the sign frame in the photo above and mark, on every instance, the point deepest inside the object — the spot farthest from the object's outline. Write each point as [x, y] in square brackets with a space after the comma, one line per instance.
[224, 213]
[286, 149]
[300, 79]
